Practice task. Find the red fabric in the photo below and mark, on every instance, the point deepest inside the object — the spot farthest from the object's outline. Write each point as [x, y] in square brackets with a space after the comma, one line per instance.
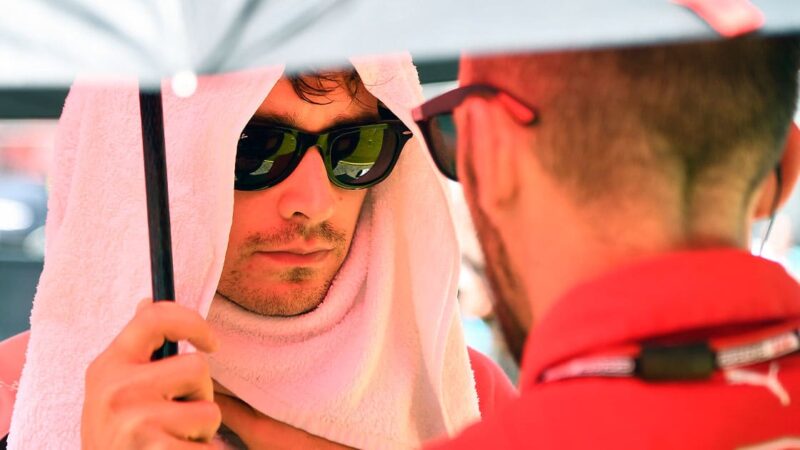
[729, 18]
[12, 358]
[678, 297]
[493, 386]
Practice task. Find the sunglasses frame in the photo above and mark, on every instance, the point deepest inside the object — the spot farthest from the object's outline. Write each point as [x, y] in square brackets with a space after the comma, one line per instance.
[446, 103]
[324, 141]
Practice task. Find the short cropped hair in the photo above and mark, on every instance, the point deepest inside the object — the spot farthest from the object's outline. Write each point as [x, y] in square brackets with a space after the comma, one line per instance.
[702, 116]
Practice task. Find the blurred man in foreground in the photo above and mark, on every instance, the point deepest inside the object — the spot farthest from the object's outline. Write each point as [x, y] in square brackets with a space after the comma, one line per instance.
[614, 193]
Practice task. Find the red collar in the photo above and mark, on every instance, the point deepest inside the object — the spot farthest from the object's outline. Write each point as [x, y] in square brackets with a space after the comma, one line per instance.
[673, 294]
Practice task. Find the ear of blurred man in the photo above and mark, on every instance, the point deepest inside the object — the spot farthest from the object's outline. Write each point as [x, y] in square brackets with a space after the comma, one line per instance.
[487, 158]
[765, 199]
[493, 153]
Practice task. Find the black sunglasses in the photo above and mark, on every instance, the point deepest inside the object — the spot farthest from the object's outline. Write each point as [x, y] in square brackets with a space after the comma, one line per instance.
[355, 157]
[435, 120]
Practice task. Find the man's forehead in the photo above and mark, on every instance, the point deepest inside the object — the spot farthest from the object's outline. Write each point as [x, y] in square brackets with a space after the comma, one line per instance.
[300, 122]
[337, 108]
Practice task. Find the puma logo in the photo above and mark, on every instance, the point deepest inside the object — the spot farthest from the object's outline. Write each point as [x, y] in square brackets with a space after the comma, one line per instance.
[753, 378]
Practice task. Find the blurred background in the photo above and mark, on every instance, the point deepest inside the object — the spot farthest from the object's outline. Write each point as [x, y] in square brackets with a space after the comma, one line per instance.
[25, 158]
[25, 152]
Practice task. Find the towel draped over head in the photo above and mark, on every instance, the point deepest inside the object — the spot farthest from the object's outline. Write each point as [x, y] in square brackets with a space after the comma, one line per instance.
[381, 363]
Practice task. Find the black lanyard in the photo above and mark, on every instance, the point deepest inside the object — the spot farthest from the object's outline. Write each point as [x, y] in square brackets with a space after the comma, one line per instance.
[695, 361]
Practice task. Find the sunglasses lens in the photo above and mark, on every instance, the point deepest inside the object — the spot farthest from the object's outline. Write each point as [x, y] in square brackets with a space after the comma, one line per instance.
[263, 156]
[362, 156]
[441, 136]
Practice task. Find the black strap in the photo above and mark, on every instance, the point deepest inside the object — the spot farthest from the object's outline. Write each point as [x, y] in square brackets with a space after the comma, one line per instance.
[693, 361]
[4, 442]
[679, 362]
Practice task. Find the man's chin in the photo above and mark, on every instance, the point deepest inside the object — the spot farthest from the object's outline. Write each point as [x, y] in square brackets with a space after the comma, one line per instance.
[278, 308]
[289, 302]
[290, 310]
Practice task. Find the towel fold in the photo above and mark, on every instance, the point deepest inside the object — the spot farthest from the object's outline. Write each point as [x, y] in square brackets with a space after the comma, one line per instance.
[381, 364]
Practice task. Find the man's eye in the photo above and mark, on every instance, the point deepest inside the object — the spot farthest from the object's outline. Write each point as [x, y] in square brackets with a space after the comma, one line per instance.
[271, 143]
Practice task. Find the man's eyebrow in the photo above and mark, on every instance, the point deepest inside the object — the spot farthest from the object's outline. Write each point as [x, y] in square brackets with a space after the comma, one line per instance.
[340, 121]
[285, 120]
[344, 120]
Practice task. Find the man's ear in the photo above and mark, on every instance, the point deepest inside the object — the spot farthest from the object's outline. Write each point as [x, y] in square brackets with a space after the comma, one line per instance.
[492, 157]
[790, 169]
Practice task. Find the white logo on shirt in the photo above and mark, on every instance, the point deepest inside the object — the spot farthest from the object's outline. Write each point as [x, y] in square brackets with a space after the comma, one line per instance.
[753, 378]
[786, 443]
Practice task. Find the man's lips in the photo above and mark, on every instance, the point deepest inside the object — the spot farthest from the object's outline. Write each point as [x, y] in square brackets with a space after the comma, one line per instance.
[295, 256]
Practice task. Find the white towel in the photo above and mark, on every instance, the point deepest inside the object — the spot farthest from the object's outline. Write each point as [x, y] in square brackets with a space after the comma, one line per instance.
[97, 268]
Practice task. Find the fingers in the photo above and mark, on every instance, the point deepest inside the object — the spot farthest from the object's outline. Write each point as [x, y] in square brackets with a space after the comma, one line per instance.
[176, 444]
[156, 440]
[189, 378]
[238, 416]
[195, 421]
[161, 425]
[260, 431]
[155, 322]
[186, 377]
[132, 402]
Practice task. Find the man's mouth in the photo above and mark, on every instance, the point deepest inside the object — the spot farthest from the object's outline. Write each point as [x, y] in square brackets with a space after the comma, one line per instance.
[295, 256]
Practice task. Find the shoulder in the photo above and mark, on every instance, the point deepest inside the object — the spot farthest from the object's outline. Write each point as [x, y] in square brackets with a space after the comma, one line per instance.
[491, 383]
[12, 358]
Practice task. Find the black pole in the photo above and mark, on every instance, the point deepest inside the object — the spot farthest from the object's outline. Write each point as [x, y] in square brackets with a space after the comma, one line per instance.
[155, 175]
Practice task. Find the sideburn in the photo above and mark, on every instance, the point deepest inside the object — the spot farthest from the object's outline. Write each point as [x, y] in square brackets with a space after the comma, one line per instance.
[498, 269]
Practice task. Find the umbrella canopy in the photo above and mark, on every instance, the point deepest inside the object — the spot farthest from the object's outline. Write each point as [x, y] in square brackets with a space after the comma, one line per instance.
[45, 43]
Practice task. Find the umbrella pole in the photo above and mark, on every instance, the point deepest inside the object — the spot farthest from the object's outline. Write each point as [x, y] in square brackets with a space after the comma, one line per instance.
[155, 175]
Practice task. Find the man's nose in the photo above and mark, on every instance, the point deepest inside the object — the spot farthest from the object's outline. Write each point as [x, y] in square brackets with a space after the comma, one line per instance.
[307, 194]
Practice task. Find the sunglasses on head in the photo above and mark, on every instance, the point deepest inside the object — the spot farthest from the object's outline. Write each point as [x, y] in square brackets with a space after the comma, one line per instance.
[355, 157]
[435, 120]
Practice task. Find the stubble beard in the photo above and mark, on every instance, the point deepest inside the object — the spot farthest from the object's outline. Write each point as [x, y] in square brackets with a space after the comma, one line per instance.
[264, 301]
[503, 280]
[504, 286]
[260, 298]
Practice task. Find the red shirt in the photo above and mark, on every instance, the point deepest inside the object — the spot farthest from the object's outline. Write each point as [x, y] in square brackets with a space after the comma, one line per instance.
[676, 299]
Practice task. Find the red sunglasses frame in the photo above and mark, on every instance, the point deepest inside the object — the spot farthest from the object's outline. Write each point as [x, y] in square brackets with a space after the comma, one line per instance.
[446, 103]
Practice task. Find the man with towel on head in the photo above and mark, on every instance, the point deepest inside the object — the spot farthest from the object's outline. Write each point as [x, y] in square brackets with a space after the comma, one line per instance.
[311, 230]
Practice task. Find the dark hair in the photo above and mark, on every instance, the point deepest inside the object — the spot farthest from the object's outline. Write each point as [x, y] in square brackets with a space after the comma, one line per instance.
[314, 86]
[709, 118]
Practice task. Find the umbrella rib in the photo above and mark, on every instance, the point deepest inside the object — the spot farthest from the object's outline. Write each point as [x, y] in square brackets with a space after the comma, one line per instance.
[100, 24]
[299, 23]
[215, 60]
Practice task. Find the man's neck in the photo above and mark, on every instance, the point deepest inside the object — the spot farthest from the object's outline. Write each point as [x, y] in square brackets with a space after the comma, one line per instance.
[574, 256]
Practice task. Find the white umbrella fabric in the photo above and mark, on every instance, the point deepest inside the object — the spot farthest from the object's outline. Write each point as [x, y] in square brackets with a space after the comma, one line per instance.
[46, 42]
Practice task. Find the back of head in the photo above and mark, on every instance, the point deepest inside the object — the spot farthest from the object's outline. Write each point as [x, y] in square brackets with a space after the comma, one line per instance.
[686, 130]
